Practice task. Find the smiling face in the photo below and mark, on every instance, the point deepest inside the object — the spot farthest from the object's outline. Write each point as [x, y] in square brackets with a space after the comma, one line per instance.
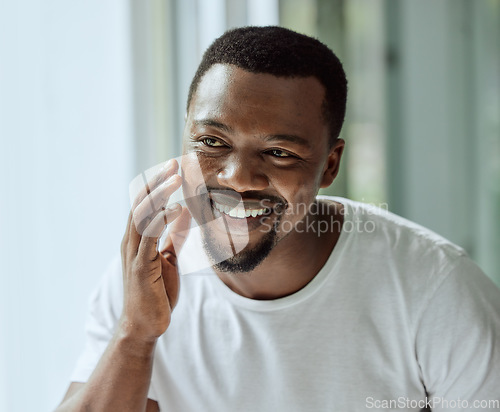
[264, 150]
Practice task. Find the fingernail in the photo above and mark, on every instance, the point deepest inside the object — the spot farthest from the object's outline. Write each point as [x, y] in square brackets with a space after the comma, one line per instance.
[173, 207]
[167, 165]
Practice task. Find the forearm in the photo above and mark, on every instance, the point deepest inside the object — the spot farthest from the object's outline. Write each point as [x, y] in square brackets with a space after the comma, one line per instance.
[120, 381]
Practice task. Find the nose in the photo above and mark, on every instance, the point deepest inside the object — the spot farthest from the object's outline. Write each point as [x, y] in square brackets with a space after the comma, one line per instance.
[241, 175]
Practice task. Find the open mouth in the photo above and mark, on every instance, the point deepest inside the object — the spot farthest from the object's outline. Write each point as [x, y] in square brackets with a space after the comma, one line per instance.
[240, 212]
[238, 209]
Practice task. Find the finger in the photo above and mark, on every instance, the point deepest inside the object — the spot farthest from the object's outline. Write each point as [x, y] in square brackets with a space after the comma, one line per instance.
[150, 185]
[177, 235]
[149, 240]
[155, 202]
[128, 234]
[132, 237]
[171, 282]
[164, 216]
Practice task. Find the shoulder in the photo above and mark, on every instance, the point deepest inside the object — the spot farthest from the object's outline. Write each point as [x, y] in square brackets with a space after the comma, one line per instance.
[366, 222]
[382, 247]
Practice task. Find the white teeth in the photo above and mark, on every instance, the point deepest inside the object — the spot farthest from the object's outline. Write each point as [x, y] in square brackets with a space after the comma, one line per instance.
[238, 212]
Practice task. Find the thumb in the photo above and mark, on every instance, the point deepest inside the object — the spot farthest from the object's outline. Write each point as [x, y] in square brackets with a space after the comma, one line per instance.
[177, 235]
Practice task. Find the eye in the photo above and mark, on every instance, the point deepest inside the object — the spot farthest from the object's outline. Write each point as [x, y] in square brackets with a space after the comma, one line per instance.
[212, 142]
[279, 153]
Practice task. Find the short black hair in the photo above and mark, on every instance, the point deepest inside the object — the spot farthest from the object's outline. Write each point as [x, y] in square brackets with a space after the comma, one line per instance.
[282, 53]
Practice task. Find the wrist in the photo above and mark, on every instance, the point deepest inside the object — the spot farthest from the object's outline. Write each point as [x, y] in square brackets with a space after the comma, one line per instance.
[132, 340]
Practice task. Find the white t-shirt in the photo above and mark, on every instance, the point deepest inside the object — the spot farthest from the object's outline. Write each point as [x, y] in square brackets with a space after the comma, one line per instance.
[396, 313]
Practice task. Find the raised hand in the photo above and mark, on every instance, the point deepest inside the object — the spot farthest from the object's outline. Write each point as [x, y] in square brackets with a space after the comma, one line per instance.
[150, 278]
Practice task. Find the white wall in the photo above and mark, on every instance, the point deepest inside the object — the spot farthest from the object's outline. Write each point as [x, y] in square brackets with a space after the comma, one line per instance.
[65, 165]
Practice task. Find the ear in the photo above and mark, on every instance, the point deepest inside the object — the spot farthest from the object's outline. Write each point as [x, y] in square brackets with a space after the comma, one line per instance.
[332, 163]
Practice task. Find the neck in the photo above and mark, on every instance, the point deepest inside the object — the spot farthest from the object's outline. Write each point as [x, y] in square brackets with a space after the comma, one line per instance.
[284, 271]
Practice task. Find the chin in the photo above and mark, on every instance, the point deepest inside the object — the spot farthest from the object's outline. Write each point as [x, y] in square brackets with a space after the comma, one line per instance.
[244, 261]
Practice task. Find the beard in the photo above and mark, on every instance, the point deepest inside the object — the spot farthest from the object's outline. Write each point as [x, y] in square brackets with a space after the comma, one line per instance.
[247, 259]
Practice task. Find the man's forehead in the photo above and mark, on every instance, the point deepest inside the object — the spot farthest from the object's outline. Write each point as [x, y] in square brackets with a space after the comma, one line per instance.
[223, 81]
[216, 77]
[221, 76]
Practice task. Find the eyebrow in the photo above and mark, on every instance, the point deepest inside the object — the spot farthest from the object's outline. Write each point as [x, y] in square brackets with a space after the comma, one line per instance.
[213, 123]
[288, 138]
[268, 138]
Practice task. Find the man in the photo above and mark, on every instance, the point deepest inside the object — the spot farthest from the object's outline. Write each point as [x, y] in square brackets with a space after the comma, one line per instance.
[330, 306]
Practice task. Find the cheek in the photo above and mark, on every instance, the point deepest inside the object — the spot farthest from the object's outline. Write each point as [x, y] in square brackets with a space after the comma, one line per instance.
[199, 171]
[195, 181]
[299, 192]
[208, 165]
